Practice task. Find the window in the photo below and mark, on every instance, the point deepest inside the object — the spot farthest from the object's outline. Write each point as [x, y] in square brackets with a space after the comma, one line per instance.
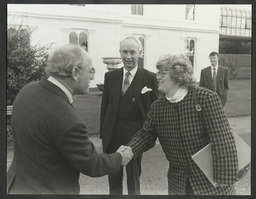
[243, 22]
[235, 21]
[137, 9]
[79, 38]
[83, 40]
[224, 21]
[223, 31]
[73, 39]
[248, 24]
[238, 24]
[229, 24]
[190, 12]
[190, 49]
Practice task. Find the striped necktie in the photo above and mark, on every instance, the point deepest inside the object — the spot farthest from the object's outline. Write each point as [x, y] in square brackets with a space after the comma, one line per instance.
[126, 83]
[214, 79]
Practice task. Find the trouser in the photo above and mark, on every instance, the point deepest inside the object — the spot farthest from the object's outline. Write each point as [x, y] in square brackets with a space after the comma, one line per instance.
[133, 170]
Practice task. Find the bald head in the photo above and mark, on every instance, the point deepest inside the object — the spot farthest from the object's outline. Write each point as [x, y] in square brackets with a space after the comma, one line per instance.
[137, 41]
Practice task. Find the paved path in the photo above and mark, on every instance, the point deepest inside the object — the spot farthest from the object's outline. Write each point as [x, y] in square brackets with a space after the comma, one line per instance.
[155, 166]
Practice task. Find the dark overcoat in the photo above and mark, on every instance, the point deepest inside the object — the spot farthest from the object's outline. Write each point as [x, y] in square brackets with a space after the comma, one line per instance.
[51, 144]
[182, 132]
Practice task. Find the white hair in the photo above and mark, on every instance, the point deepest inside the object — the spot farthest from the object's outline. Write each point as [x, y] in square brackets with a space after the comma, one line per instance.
[132, 38]
[64, 59]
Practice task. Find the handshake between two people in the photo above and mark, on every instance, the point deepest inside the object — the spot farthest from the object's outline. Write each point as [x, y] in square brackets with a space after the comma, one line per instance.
[126, 153]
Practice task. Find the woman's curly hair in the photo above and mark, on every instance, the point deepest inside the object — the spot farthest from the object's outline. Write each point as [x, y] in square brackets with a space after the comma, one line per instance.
[181, 70]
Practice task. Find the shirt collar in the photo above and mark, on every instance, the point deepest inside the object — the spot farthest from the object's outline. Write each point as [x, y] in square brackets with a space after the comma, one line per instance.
[215, 67]
[178, 96]
[133, 71]
[62, 87]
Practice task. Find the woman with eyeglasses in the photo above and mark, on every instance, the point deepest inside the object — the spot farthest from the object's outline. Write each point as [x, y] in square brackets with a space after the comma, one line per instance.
[183, 131]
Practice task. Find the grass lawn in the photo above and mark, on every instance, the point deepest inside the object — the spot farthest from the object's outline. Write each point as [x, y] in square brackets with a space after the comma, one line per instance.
[239, 98]
[238, 104]
[88, 107]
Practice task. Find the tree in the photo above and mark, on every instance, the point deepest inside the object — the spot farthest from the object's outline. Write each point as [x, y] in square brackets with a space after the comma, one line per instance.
[230, 46]
[25, 63]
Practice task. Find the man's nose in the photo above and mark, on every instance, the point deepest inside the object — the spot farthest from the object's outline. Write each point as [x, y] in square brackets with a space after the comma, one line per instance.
[158, 77]
[128, 56]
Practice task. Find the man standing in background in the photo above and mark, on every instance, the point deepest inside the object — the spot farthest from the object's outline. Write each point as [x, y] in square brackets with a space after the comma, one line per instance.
[215, 78]
[127, 95]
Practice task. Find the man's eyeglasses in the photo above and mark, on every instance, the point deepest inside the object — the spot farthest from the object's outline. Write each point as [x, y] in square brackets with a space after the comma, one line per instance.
[92, 71]
[161, 73]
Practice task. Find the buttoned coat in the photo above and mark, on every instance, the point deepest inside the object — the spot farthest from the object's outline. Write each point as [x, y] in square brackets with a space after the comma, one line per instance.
[182, 132]
[112, 94]
[51, 144]
[221, 81]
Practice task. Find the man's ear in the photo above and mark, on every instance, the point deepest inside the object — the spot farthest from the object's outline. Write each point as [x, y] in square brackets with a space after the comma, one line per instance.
[75, 73]
[140, 53]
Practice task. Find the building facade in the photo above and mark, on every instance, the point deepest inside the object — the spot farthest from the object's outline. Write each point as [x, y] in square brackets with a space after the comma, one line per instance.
[190, 29]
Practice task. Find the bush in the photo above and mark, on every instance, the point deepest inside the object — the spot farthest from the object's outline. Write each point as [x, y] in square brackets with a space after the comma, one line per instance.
[25, 63]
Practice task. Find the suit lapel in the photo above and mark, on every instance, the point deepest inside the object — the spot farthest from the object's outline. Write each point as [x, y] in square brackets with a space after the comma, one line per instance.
[139, 84]
[117, 87]
[219, 74]
[209, 76]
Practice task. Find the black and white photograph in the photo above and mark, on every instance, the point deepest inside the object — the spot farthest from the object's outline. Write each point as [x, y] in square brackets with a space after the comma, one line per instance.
[128, 99]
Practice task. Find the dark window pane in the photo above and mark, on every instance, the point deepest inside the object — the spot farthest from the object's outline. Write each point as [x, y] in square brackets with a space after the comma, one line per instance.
[190, 11]
[137, 9]
[83, 41]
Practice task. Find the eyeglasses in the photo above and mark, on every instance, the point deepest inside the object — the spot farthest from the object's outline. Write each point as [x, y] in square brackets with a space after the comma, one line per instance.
[92, 71]
[161, 73]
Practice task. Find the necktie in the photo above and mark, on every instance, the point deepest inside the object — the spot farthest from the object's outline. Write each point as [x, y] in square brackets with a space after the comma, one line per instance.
[126, 83]
[214, 79]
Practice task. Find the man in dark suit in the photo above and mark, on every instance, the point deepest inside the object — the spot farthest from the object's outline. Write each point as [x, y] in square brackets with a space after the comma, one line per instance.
[51, 143]
[127, 95]
[215, 78]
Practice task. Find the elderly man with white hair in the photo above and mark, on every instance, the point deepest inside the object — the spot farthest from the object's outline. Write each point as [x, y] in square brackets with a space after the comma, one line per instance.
[51, 143]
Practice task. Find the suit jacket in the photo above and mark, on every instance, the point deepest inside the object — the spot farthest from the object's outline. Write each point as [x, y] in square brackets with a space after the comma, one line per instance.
[221, 81]
[182, 133]
[51, 144]
[112, 94]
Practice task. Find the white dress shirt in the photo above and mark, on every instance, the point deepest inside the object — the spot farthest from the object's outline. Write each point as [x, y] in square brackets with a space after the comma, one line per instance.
[132, 72]
[62, 87]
